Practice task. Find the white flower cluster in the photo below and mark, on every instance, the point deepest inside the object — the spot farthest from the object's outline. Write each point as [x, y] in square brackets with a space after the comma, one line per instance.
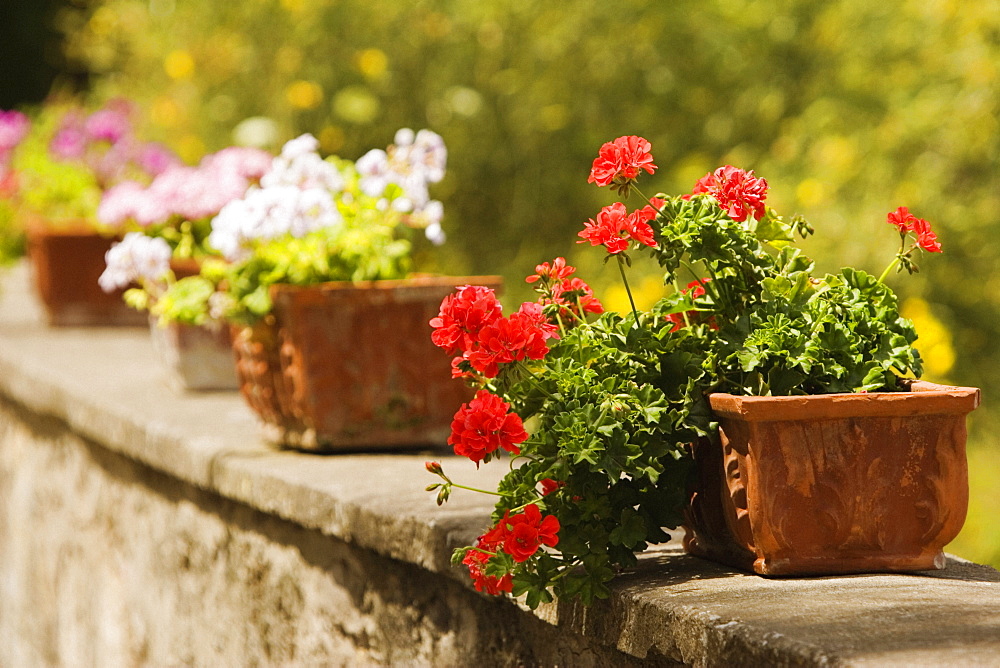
[301, 166]
[137, 257]
[414, 161]
[296, 196]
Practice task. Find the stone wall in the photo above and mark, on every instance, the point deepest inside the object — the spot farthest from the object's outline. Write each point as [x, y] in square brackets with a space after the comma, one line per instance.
[106, 562]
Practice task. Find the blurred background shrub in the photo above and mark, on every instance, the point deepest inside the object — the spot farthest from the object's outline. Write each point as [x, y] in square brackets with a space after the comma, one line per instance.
[849, 108]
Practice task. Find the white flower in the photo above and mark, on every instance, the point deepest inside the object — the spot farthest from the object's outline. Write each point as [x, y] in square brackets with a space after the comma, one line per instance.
[374, 170]
[137, 257]
[269, 213]
[300, 165]
[435, 234]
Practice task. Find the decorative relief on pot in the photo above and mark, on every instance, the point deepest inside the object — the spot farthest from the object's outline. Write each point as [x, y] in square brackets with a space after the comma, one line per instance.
[863, 483]
[354, 368]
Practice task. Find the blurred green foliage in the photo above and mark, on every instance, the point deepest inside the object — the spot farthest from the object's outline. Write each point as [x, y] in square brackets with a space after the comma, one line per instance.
[849, 108]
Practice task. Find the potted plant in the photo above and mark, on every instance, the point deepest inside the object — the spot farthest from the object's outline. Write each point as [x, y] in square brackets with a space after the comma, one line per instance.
[623, 426]
[326, 313]
[14, 127]
[64, 164]
[176, 210]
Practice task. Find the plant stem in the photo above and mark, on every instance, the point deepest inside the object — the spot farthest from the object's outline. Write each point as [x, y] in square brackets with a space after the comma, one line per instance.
[881, 279]
[474, 489]
[628, 290]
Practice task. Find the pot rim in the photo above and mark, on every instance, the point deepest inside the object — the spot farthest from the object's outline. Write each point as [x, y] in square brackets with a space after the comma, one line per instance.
[414, 281]
[924, 398]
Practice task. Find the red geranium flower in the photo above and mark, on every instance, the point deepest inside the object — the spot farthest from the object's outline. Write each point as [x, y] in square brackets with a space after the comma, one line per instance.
[925, 237]
[614, 228]
[907, 222]
[484, 425]
[638, 225]
[529, 531]
[549, 485]
[901, 218]
[582, 297]
[557, 271]
[621, 160]
[736, 191]
[694, 290]
[476, 559]
[519, 336]
[462, 316]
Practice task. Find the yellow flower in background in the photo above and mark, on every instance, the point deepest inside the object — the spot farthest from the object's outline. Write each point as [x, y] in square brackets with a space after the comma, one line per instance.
[190, 148]
[165, 112]
[934, 342]
[303, 94]
[646, 293]
[102, 22]
[372, 63]
[811, 192]
[179, 64]
[331, 138]
[356, 104]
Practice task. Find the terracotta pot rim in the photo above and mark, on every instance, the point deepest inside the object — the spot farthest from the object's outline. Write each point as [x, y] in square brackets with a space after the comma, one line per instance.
[420, 280]
[924, 398]
[35, 225]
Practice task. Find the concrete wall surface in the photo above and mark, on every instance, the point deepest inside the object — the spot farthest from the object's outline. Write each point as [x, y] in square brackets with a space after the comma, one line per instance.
[143, 527]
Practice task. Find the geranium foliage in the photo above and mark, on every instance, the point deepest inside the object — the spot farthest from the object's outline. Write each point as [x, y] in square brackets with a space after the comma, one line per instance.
[609, 404]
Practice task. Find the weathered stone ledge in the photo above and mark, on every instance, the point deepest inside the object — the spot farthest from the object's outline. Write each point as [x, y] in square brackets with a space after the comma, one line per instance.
[104, 386]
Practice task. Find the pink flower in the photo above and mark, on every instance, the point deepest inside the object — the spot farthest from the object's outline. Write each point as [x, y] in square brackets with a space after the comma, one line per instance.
[736, 191]
[621, 161]
[528, 531]
[14, 127]
[483, 426]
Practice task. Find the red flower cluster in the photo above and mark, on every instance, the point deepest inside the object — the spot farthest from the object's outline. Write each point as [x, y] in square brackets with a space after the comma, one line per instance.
[907, 222]
[519, 336]
[694, 290]
[462, 316]
[621, 160]
[575, 295]
[528, 531]
[483, 426]
[520, 536]
[476, 558]
[738, 192]
[553, 273]
[558, 286]
[471, 324]
[615, 228]
[549, 485]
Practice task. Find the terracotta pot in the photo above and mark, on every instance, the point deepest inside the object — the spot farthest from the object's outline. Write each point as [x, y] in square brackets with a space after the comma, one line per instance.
[351, 366]
[194, 358]
[837, 483]
[66, 262]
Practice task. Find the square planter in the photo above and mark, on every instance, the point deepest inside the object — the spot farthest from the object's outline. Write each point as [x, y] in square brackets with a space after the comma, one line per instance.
[194, 358]
[66, 263]
[350, 366]
[837, 483]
